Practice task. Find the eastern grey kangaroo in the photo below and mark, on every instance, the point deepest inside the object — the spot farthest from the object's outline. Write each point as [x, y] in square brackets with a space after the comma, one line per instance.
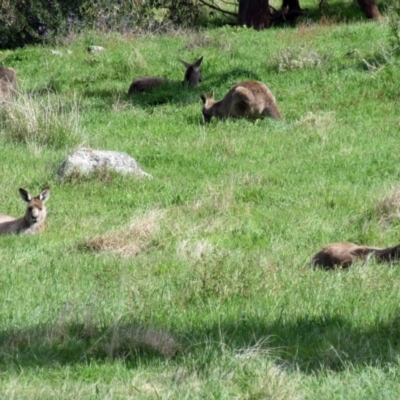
[8, 81]
[145, 83]
[247, 99]
[343, 255]
[35, 215]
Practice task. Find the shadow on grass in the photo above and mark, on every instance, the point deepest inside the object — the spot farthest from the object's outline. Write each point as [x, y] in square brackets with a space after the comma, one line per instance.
[165, 94]
[174, 93]
[231, 77]
[313, 345]
[310, 345]
[103, 98]
[334, 12]
[72, 343]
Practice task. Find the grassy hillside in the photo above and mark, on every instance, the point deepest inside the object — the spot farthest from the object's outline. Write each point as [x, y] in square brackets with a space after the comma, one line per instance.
[195, 284]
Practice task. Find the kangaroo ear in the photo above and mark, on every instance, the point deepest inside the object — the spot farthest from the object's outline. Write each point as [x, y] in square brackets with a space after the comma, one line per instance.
[186, 64]
[211, 94]
[198, 62]
[44, 194]
[25, 196]
[203, 97]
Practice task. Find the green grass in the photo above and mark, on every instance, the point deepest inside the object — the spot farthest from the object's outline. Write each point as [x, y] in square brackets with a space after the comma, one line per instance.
[195, 284]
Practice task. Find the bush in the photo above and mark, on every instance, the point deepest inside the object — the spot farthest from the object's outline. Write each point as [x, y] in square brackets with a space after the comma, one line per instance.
[394, 24]
[29, 21]
[25, 22]
[183, 12]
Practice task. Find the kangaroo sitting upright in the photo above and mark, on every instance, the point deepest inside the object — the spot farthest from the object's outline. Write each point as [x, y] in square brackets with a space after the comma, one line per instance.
[247, 99]
[343, 255]
[8, 81]
[145, 83]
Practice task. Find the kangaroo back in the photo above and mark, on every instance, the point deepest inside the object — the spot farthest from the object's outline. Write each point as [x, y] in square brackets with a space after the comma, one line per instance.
[247, 99]
[192, 78]
[345, 254]
[8, 81]
[144, 83]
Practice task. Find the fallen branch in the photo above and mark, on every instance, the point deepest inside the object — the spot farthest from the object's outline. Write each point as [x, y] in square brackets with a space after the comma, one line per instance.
[218, 8]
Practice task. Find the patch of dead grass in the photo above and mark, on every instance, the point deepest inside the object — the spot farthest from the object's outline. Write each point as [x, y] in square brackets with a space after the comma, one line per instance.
[389, 207]
[291, 59]
[195, 249]
[125, 339]
[129, 240]
[317, 120]
[197, 40]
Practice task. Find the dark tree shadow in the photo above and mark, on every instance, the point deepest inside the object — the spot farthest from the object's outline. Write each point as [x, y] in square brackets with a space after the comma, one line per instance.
[104, 98]
[313, 345]
[310, 345]
[237, 75]
[337, 12]
[65, 343]
[176, 94]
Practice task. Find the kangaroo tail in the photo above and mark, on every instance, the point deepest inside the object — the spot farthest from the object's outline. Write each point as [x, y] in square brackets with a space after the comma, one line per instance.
[389, 254]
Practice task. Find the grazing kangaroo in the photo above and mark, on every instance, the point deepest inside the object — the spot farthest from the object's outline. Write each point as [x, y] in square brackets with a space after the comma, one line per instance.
[8, 81]
[145, 83]
[345, 254]
[248, 99]
[35, 216]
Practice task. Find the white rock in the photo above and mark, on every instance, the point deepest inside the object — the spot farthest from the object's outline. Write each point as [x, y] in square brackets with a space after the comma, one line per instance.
[95, 48]
[86, 160]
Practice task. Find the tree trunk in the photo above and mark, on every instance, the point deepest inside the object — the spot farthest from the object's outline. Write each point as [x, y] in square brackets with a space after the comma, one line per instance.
[369, 8]
[254, 13]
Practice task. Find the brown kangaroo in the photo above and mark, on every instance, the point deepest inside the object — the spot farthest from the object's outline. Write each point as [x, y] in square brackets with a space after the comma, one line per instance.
[8, 81]
[145, 83]
[343, 255]
[35, 216]
[247, 99]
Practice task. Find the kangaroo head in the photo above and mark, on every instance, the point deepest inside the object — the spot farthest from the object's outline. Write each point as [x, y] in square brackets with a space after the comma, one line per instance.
[35, 209]
[208, 105]
[193, 73]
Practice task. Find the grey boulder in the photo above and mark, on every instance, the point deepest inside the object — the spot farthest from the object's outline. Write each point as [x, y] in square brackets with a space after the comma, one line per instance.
[86, 160]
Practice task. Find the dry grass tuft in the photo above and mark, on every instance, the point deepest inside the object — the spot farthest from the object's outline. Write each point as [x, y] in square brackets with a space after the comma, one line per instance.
[40, 121]
[127, 339]
[292, 59]
[197, 40]
[321, 120]
[195, 250]
[389, 207]
[127, 241]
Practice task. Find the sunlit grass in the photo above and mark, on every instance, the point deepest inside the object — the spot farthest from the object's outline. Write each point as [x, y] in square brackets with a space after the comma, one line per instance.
[196, 284]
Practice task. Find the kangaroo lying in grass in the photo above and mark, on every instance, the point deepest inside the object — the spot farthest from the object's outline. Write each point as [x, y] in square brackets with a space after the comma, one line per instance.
[35, 216]
[146, 83]
[247, 99]
[345, 254]
[8, 81]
